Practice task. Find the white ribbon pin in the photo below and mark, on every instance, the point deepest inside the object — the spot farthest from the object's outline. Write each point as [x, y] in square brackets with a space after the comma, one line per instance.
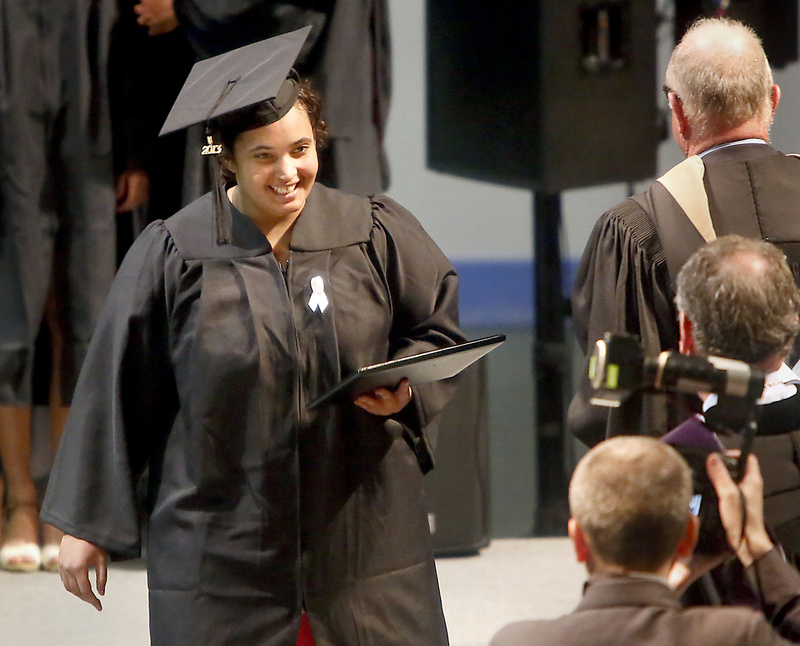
[318, 300]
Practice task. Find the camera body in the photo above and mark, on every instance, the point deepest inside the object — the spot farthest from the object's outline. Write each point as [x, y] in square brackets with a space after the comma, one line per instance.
[618, 368]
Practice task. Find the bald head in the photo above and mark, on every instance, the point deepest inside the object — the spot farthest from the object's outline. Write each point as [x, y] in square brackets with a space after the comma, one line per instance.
[722, 77]
[630, 497]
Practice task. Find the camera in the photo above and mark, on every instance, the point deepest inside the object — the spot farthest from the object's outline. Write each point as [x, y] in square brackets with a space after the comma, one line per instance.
[618, 368]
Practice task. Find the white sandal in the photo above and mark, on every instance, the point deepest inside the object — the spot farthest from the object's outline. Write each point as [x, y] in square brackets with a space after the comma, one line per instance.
[17, 555]
[21, 557]
[50, 557]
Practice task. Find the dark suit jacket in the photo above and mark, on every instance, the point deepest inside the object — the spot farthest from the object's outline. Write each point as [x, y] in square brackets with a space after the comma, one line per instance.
[623, 611]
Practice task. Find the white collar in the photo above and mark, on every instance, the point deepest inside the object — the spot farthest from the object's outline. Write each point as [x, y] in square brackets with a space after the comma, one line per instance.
[776, 387]
[728, 144]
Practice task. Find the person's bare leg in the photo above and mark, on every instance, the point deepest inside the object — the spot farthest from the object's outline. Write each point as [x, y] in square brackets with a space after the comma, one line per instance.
[58, 418]
[19, 549]
[2, 498]
[51, 535]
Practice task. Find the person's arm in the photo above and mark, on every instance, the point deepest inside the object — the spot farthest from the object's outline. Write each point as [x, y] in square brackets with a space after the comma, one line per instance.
[752, 542]
[136, 89]
[216, 26]
[121, 412]
[776, 581]
[423, 288]
[622, 286]
[132, 188]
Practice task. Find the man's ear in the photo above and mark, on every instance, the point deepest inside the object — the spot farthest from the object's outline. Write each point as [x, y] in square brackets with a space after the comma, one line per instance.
[686, 327]
[675, 104]
[579, 541]
[689, 540]
[776, 97]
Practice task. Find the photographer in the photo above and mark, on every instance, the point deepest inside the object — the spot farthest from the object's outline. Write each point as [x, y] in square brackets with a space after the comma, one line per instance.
[737, 299]
[629, 498]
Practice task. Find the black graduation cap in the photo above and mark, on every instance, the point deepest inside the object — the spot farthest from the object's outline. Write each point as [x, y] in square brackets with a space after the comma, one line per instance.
[237, 79]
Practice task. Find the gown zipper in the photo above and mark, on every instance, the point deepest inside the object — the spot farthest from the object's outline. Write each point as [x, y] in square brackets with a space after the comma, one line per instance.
[299, 409]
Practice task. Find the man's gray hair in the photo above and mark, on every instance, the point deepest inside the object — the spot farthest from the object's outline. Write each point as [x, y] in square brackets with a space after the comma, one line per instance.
[722, 76]
[630, 496]
[741, 298]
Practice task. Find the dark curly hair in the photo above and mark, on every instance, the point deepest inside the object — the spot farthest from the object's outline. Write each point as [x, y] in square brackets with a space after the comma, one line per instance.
[227, 128]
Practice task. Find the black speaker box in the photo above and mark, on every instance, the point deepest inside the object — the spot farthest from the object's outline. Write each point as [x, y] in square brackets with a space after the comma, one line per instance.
[542, 94]
[457, 490]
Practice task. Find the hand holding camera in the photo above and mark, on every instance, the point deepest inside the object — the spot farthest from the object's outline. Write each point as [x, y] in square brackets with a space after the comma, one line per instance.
[741, 508]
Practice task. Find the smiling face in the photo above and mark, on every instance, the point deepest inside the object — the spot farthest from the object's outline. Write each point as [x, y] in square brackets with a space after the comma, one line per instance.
[275, 167]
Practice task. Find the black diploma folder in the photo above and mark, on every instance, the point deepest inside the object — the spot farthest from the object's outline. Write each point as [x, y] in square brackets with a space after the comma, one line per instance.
[417, 368]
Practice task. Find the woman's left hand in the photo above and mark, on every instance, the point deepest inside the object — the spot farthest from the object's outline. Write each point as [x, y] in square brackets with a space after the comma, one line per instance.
[383, 401]
[157, 15]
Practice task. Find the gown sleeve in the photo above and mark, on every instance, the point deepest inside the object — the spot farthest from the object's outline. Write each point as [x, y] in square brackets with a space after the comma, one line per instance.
[124, 404]
[423, 286]
[622, 286]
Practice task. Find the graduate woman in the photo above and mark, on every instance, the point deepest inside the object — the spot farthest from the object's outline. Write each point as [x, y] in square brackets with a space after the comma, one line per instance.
[224, 322]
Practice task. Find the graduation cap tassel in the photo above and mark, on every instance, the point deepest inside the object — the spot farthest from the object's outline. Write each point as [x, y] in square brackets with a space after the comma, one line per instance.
[223, 221]
[210, 147]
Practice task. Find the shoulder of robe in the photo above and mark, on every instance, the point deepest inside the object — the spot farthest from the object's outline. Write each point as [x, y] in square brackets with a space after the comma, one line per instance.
[402, 226]
[398, 224]
[633, 226]
[388, 211]
[194, 235]
[332, 219]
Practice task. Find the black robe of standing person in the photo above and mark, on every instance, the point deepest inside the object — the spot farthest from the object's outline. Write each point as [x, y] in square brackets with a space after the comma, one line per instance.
[56, 186]
[147, 72]
[201, 368]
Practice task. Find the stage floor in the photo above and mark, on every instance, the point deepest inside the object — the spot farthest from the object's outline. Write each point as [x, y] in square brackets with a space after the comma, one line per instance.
[509, 580]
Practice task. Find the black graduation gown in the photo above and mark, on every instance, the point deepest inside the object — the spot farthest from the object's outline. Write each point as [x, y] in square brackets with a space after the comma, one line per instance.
[201, 367]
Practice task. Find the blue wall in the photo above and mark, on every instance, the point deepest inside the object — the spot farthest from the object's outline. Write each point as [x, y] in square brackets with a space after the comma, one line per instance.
[499, 294]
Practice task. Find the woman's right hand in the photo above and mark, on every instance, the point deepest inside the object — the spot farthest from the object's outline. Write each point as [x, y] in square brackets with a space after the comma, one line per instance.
[75, 558]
